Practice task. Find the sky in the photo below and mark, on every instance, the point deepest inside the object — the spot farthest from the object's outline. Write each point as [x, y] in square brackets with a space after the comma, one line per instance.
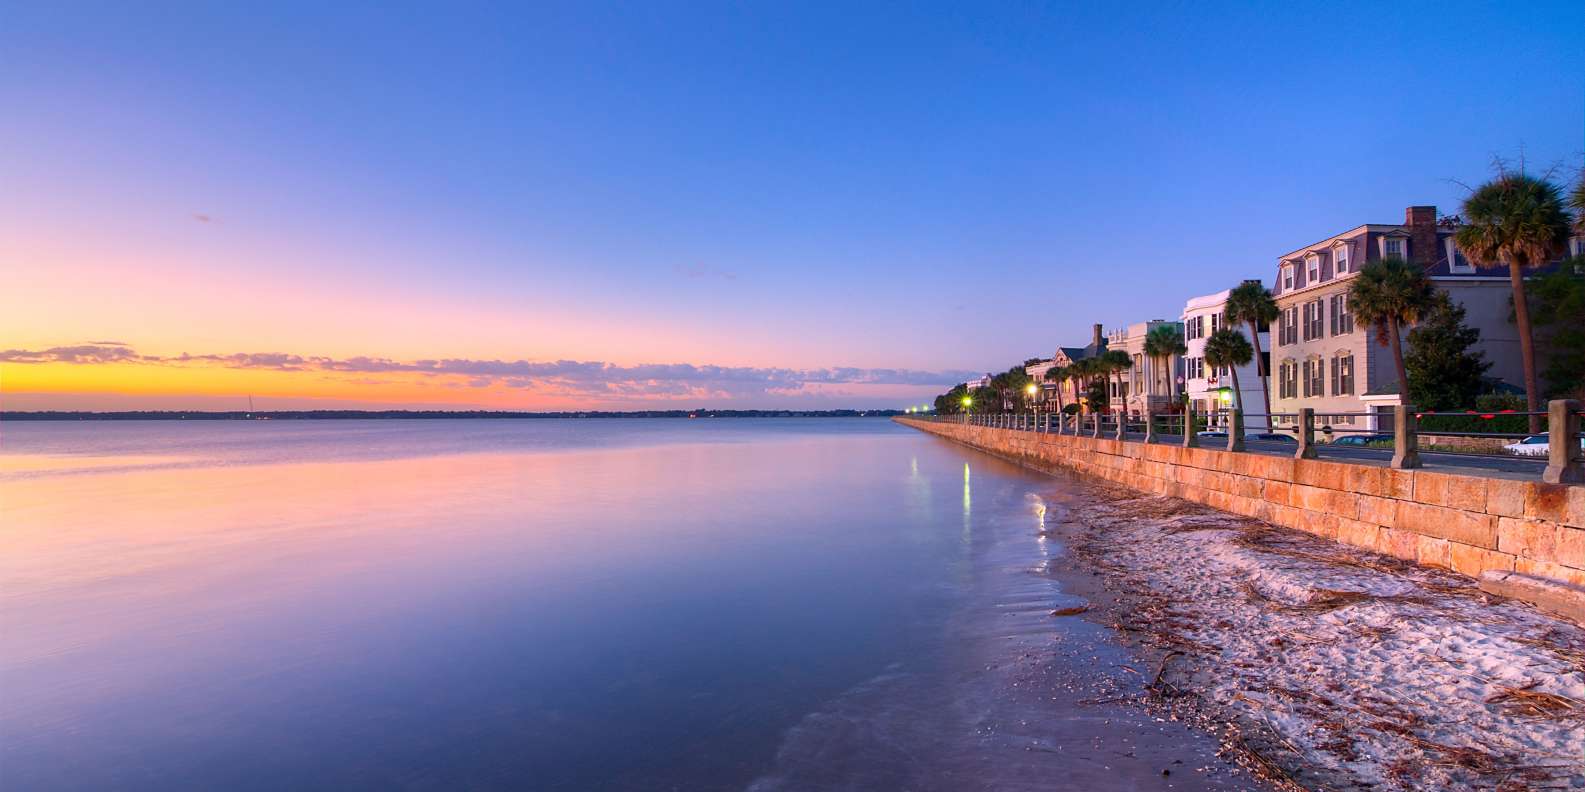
[737, 205]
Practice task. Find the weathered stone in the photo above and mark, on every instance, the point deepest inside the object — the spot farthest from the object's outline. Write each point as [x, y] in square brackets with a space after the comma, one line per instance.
[1398, 544]
[1381, 511]
[1505, 498]
[1317, 473]
[1460, 526]
[1547, 502]
[1366, 480]
[1536, 539]
[1358, 533]
[1400, 484]
[1550, 595]
[1431, 551]
[1474, 561]
[1570, 546]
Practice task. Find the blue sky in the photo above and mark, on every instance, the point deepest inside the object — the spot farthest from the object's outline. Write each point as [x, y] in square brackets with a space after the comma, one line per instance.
[937, 187]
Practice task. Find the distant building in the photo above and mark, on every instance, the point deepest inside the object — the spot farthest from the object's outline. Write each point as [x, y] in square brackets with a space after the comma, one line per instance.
[1209, 388]
[1323, 359]
[1148, 383]
[976, 384]
[1067, 356]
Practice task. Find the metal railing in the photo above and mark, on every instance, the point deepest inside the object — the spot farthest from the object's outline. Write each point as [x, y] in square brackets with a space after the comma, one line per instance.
[1565, 461]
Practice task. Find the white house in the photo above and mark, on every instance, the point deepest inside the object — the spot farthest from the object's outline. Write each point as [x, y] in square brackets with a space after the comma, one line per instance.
[1210, 389]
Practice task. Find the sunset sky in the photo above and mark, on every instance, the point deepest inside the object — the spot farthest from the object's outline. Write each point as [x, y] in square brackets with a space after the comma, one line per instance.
[686, 205]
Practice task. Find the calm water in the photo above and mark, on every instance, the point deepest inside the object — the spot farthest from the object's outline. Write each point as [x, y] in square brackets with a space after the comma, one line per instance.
[667, 604]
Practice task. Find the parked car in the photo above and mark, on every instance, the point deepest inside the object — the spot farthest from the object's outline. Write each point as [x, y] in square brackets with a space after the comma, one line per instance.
[1534, 445]
[1362, 439]
[1211, 434]
[1272, 436]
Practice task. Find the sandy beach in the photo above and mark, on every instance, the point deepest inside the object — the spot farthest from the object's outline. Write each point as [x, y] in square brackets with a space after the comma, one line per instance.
[1325, 667]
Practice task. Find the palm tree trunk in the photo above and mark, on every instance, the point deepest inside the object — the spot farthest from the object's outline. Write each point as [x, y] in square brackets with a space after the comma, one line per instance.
[1397, 361]
[1521, 318]
[1260, 369]
[1238, 398]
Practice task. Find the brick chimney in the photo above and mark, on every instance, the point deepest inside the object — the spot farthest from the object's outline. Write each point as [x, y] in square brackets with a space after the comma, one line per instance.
[1096, 339]
[1421, 223]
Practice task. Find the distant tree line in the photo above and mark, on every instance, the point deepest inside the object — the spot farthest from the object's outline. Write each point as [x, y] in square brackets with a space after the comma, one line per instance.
[313, 415]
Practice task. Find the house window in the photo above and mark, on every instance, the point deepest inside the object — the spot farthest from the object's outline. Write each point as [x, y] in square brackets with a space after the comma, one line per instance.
[1456, 263]
[1340, 260]
[1216, 321]
[1288, 326]
[1287, 277]
[1392, 246]
[1313, 328]
[1342, 320]
[1343, 374]
[1312, 269]
[1288, 380]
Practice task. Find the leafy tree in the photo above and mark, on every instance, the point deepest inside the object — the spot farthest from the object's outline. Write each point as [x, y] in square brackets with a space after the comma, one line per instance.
[1228, 347]
[1443, 373]
[1161, 343]
[1115, 362]
[1058, 375]
[1559, 300]
[1391, 294]
[1517, 221]
[1250, 303]
[1095, 394]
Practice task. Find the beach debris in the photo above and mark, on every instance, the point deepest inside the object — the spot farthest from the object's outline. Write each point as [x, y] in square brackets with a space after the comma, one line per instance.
[1070, 611]
[1526, 701]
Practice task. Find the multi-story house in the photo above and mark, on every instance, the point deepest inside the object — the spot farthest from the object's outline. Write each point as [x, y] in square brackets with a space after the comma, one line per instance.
[1064, 357]
[1148, 382]
[1210, 388]
[1325, 360]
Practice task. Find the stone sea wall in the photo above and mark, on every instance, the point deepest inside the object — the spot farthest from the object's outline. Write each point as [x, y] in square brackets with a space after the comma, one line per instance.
[1470, 524]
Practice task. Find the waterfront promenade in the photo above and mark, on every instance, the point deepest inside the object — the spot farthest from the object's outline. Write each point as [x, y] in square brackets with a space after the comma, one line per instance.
[1521, 536]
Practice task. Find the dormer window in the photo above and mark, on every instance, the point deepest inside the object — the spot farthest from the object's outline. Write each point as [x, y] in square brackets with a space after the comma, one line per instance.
[1287, 277]
[1576, 246]
[1456, 263]
[1339, 260]
[1312, 269]
[1392, 247]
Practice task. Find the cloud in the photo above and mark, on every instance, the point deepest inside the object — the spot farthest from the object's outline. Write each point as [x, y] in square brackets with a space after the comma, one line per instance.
[203, 218]
[565, 377]
[81, 353]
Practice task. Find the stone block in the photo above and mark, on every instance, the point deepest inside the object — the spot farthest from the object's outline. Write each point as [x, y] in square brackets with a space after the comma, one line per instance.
[1475, 561]
[1570, 546]
[1278, 492]
[1550, 571]
[1547, 501]
[1535, 539]
[1381, 511]
[1317, 473]
[1576, 507]
[1248, 486]
[1431, 551]
[1326, 501]
[1439, 521]
[1323, 525]
[1505, 498]
[1431, 488]
[1400, 544]
[1358, 533]
[1555, 596]
[1400, 483]
[1367, 480]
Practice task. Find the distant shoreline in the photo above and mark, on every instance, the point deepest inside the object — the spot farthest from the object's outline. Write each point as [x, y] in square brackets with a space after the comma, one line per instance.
[321, 415]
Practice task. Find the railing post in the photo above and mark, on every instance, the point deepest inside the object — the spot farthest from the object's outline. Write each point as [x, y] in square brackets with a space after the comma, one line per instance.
[1096, 429]
[1122, 425]
[1150, 425]
[1306, 449]
[1565, 459]
[1235, 431]
[1405, 438]
[1190, 439]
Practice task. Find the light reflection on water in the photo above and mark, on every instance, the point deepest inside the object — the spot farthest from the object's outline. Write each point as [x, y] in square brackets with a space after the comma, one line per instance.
[650, 611]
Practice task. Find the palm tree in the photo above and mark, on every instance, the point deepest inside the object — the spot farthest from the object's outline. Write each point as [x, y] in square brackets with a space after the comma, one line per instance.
[1251, 304]
[1161, 343]
[1057, 374]
[1576, 200]
[1084, 370]
[1228, 347]
[1391, 294]
[1115, 362]
[1519, 221]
